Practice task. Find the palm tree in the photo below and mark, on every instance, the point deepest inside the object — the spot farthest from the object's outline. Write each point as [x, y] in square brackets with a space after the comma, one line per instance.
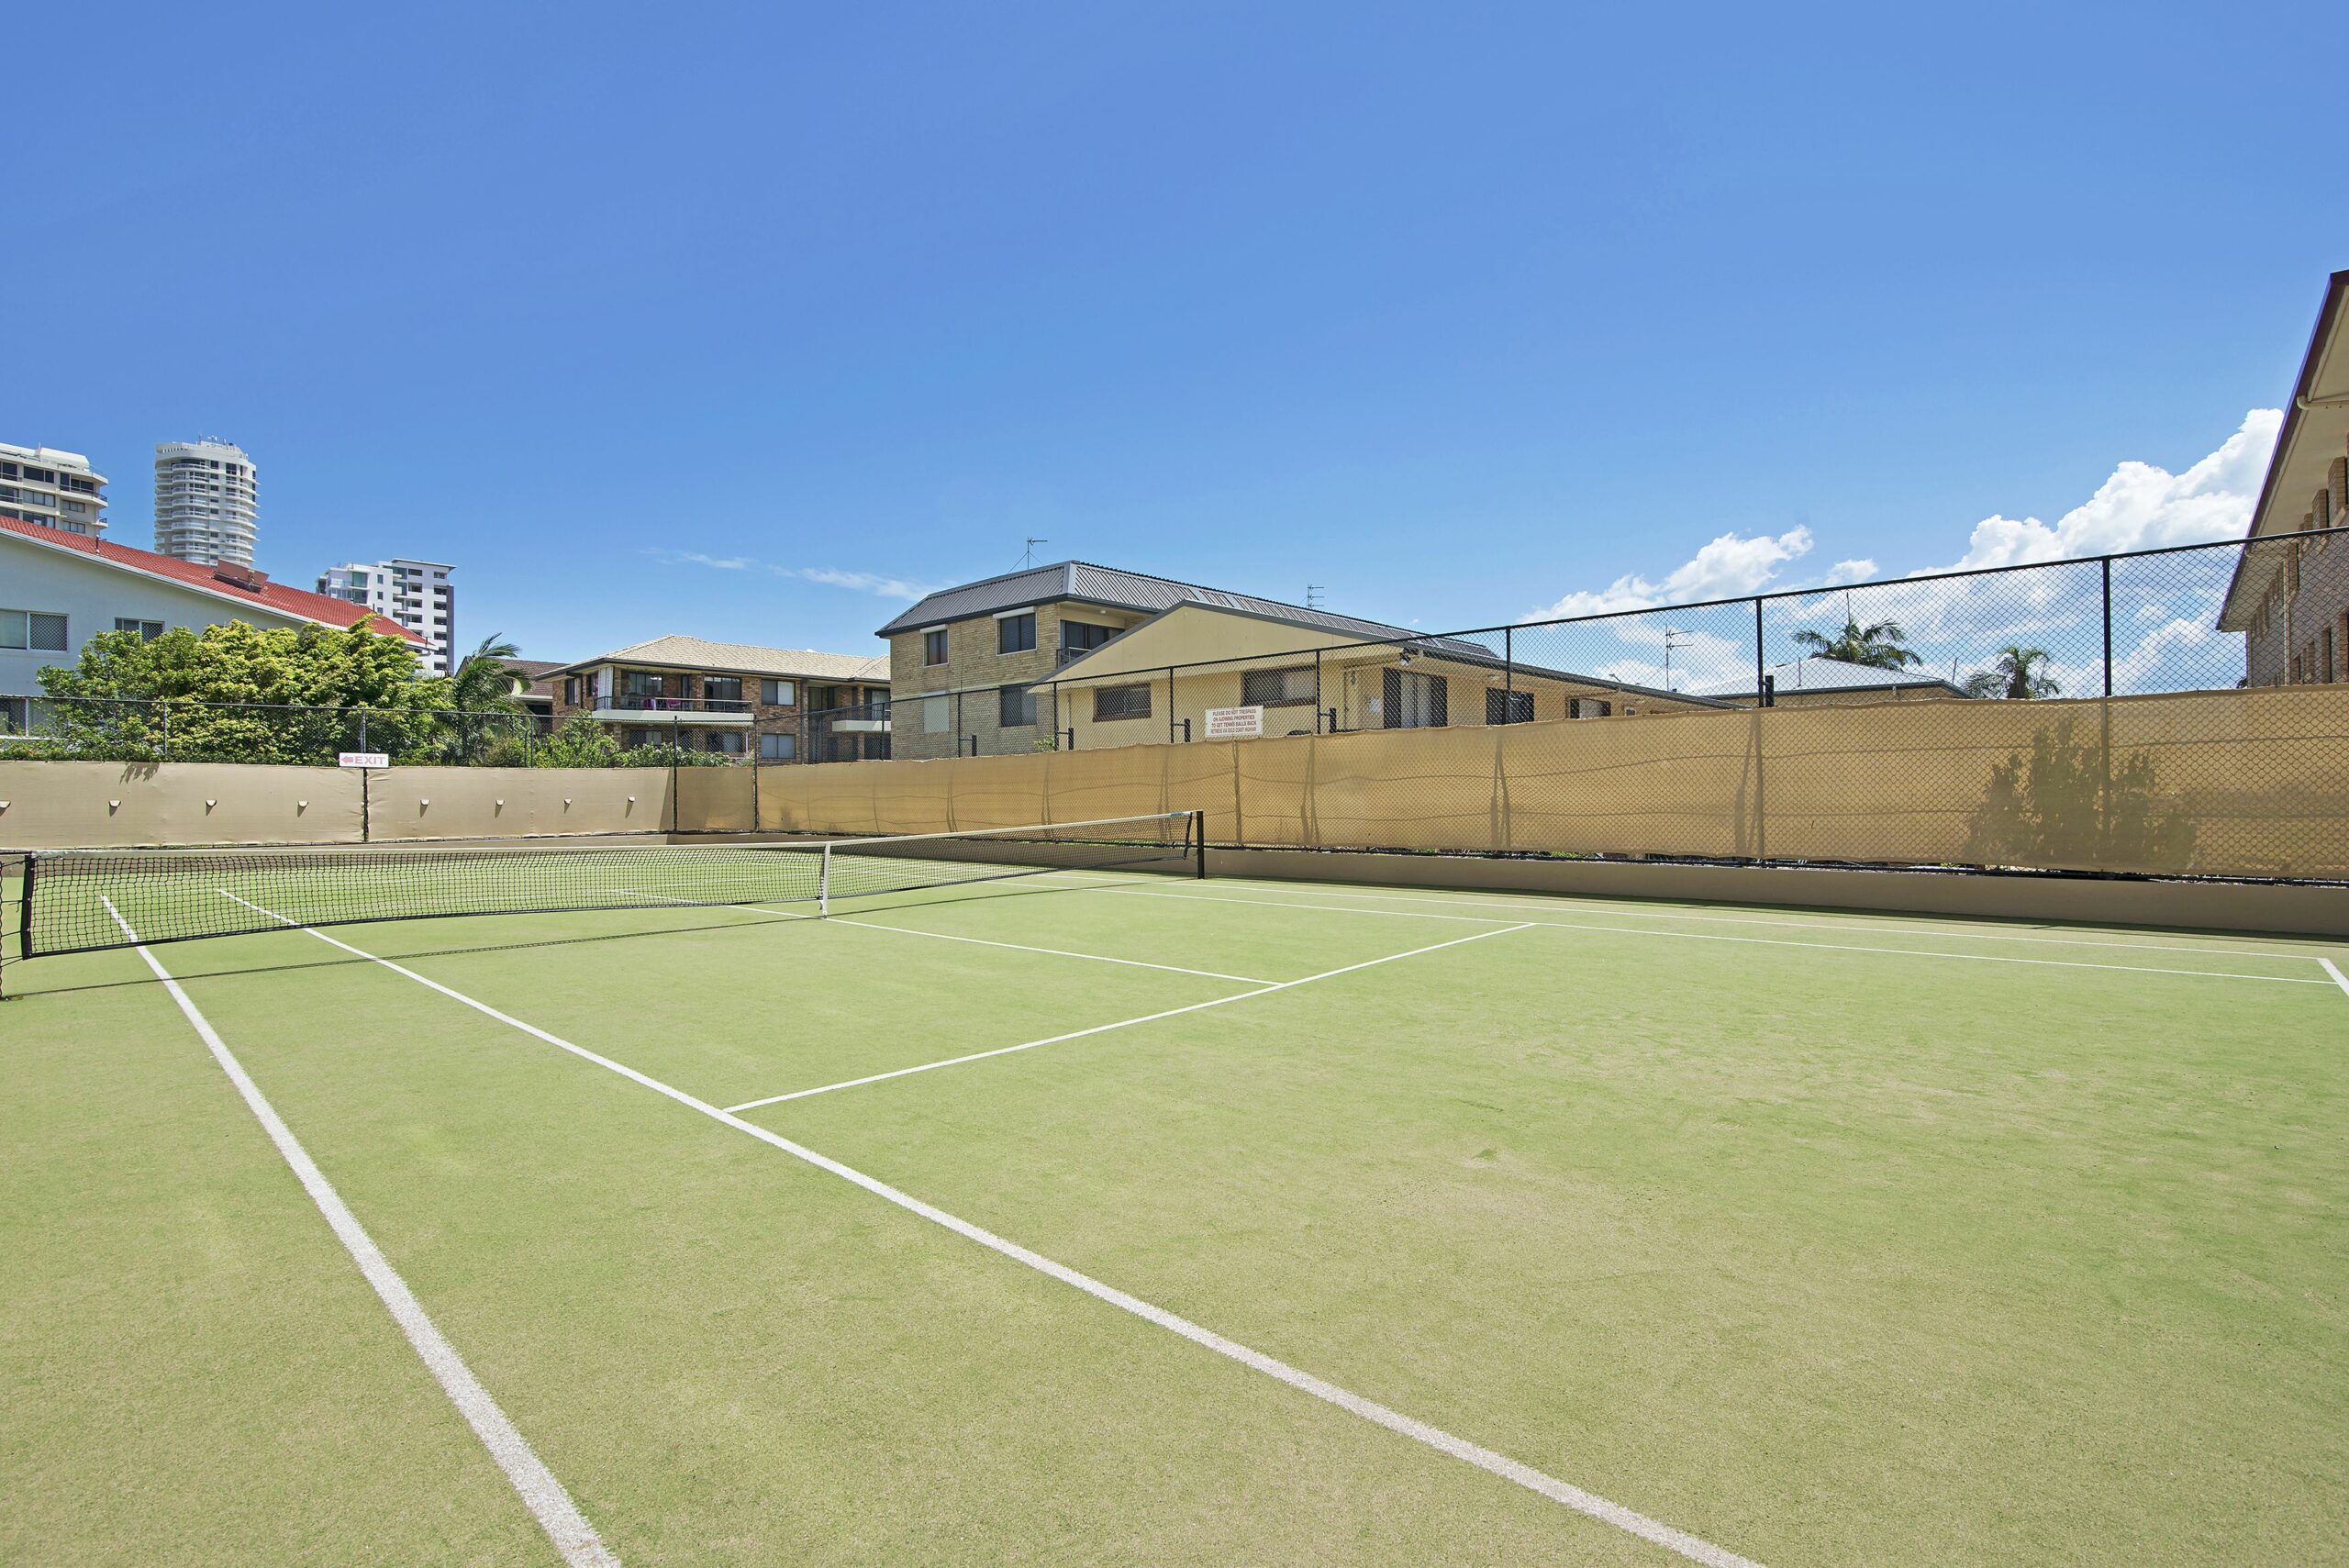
[2015, 672]
[481, 692]
[1882, 646]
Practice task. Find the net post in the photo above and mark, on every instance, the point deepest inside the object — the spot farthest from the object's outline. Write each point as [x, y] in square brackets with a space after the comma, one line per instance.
[1199, 845]
[824, 885]
[24, 924]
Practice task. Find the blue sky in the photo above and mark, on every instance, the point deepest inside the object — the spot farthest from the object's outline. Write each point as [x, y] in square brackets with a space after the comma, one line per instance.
[1462, 312]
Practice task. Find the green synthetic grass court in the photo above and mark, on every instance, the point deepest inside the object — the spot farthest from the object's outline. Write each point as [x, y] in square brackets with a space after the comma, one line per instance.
[1506, 1230]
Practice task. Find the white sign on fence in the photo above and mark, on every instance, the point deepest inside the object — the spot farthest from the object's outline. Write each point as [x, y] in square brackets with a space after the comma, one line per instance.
[1235, 723]
[364, 760]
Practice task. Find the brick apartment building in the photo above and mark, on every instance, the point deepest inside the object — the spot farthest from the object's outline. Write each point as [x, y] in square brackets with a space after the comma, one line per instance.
[733, 698]
[2290, 598]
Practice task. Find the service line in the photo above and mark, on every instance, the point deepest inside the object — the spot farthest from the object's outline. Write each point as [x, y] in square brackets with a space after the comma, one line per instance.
[1262, 990]
[1694, 1548]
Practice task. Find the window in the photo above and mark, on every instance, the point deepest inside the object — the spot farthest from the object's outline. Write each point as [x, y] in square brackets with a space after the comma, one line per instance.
[1508, 707]
[1414, 701]
[35, 630]
[1081, 636]
[1016, 634]
[727, 740]
[1019, 706]
[1290, 687]
[637, 684]
[778, 748]
[1120, 701]
[1588, 707]
[571, 691]
[722, 688]
[632, 738]
[148, 630]
[933, 646]
[935, 715]
[779, 694]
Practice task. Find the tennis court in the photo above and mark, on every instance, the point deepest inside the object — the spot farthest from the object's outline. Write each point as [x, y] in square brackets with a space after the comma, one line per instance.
[1042, 1202]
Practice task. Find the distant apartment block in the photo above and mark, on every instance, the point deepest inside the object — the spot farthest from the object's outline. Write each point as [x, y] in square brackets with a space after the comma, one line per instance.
[417, 594]
[208, 503]
[53, 488]
[777, 705]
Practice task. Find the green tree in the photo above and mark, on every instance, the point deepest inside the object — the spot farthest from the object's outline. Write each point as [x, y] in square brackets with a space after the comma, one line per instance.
[481, 706]
[2016, 673]
[1882, 646]
[240, 694]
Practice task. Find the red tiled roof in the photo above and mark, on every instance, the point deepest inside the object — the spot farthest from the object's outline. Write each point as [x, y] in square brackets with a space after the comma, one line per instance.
[300, 602]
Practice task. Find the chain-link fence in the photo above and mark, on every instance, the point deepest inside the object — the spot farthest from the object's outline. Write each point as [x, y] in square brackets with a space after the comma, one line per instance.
[187, 729]
[2201, 617]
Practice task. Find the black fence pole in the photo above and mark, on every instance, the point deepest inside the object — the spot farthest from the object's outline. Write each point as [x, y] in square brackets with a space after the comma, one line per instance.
[1762, 698]
[2107, 564]
[1317, 691]
[1761, 667]
[1509, 675]
[1170, 704]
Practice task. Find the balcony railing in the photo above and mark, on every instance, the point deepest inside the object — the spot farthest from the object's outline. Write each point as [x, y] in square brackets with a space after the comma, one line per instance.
[653, 702]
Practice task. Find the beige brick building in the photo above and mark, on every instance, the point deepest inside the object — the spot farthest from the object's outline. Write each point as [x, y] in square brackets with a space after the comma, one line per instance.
[1075, 654]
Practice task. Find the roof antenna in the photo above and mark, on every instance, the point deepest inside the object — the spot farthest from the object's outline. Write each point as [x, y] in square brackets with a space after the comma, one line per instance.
[1028, 558]
[1313, 596]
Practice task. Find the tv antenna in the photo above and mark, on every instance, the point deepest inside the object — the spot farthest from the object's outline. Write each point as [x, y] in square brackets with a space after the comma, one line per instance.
[1674, 637]
[1028, 557]
[1313, 596]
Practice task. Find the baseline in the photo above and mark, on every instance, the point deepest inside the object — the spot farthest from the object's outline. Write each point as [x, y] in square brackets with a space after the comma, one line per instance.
[1718, 937]
[1523, 902]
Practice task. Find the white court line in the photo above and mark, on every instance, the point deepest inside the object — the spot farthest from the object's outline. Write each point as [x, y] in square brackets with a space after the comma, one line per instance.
[981, 941]
[1264, 989]
[1694, 1548]
[2338, 978]
[545, 1497]
[1955, 929]
[1718, 937]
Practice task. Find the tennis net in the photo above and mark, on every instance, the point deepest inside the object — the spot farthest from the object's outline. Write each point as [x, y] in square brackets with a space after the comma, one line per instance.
[82, 900]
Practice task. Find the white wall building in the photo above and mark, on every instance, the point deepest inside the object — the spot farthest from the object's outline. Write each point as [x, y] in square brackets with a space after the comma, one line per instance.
[58, 590]
[417, 594]
[207, 502]
[56, 489]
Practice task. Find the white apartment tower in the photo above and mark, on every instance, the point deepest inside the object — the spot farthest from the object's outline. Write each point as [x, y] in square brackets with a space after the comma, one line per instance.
[206, 501]
[414, 592]
[55, 489]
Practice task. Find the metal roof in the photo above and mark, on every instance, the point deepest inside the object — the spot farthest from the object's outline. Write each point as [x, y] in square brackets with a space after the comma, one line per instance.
[700, 653]
[1139, 591]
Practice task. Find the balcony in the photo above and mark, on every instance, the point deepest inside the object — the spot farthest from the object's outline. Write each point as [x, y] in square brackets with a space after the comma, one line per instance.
[641, 707]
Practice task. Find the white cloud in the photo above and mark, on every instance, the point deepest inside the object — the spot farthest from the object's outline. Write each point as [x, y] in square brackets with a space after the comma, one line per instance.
[863, 582]
[1843, 572]
[2142, 506]
[695, 558]
[1726, 567]
[873, 583]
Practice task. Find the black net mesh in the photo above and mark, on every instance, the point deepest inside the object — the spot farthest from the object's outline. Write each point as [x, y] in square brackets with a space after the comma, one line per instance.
[77, 901]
